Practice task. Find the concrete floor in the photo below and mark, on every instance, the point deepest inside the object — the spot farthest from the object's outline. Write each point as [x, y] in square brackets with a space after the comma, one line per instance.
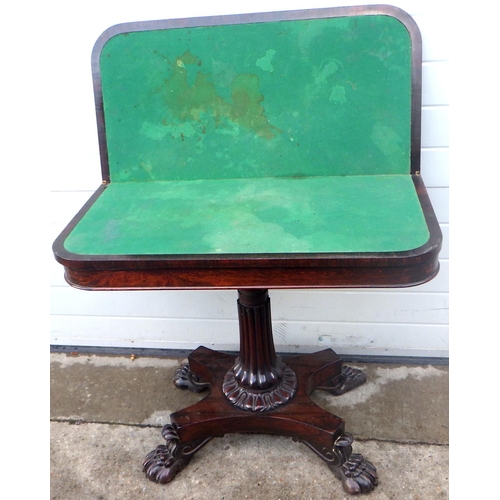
[107, 413]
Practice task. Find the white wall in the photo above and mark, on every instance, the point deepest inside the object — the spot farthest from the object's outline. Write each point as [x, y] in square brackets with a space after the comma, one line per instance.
[398, 322]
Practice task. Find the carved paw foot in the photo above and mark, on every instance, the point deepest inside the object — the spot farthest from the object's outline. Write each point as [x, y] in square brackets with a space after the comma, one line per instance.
[186, 379]
[357, 474]
[349, 379]
[163, 464]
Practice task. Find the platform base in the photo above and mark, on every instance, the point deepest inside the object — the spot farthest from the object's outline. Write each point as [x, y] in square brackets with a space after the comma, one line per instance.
[299, 418]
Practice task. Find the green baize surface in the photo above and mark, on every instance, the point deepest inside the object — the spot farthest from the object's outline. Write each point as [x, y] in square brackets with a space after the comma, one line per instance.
[303, 98]
[237, 216]
[275, 137]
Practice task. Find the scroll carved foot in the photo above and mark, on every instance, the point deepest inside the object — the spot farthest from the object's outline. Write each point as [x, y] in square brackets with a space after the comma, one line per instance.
[161, 466]
[186, 379]
[357, 474]
[163, 463]
[349, 379]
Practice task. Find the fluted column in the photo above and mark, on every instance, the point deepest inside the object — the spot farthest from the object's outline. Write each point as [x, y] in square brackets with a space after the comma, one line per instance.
[259, 379]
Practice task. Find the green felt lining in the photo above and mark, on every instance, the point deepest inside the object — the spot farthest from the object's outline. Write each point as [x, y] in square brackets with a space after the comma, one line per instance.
[259, 138]
[375, 213]
[310, 97]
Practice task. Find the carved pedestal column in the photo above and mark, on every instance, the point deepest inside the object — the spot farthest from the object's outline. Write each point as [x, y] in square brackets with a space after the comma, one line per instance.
[259, 379]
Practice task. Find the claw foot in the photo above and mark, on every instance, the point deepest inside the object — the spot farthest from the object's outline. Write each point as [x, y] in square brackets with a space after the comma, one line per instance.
[161, 466]
[349, 379]
[357, 474]
[186, 379]
[163, 463]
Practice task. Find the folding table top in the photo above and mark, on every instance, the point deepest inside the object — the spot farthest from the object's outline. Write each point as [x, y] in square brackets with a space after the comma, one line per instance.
[369, 213]
[258, 141]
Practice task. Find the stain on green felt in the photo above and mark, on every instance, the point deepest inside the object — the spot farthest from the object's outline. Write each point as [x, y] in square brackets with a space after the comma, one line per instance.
[324, 214]
[188, 103]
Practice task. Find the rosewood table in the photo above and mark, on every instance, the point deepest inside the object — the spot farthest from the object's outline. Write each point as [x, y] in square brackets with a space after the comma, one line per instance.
[257, 152]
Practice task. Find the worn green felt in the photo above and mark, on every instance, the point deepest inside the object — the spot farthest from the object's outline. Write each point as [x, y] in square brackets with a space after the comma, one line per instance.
[376, 213]
[276, 137]
[313, 97]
